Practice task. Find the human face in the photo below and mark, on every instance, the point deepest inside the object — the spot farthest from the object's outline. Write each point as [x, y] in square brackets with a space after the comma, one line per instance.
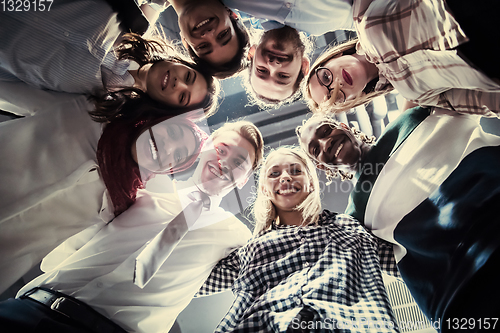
[207, 28]
[172, 83]
[348, 76]
[286, 182]
[276, 64]
[164, 146]
[227, 165]
[331, 145]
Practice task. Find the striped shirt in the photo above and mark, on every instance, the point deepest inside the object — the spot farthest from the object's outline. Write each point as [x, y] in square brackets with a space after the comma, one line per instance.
[412, 43]
[64, 49]
[332, 267]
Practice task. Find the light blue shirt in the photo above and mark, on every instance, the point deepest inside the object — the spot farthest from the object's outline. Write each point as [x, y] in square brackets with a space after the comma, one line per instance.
[314, 17]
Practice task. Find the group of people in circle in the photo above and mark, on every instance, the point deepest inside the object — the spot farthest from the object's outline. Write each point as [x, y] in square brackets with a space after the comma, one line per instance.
[106, 104]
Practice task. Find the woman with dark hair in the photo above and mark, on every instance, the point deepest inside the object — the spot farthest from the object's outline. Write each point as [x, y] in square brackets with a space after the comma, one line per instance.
[410, 46]
[63, 172]
[71, 48]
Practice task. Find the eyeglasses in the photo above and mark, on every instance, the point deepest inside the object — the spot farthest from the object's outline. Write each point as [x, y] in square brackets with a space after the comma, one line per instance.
[325, 78]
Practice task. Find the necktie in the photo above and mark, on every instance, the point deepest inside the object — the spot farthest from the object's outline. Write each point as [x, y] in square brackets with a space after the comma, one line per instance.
[152, 257]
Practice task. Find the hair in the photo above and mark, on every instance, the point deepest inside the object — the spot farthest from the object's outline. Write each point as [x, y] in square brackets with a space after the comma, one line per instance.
[265, 103]
[127, 101]
[248, 131]
[237, 63]
[345, 48]
[345, 172]
[120, 173]
[264, 211]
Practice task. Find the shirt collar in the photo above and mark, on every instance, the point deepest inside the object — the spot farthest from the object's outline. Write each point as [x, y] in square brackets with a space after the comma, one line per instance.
[189, 186]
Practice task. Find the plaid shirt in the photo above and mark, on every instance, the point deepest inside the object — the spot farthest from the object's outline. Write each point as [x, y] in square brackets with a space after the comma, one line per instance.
[332, 267]
[411, 42]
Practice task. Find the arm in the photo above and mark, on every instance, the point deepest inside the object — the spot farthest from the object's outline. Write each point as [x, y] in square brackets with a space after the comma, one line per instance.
[222, 276]
[485, 103]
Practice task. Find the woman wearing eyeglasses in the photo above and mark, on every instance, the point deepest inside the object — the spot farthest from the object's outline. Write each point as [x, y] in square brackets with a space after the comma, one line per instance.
[61, 172]
[405, 45]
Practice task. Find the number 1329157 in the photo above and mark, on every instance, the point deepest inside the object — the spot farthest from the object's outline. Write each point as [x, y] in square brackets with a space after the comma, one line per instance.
[26, 5]
[471, 323]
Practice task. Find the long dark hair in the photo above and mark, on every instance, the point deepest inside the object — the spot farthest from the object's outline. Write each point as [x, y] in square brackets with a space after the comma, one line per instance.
[120, 173]
[127, 101]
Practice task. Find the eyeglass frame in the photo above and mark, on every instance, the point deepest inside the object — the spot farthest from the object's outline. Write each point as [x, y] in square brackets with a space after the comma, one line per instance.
[328, 86]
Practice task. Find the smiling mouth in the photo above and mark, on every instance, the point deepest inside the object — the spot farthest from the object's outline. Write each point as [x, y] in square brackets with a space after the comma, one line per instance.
[218, 172]
[287, 191]
[339, 149]
[164, 82]
[202, 23]
[347, 77]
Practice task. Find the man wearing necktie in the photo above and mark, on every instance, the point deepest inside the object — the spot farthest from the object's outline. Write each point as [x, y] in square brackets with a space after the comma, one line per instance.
[139, 272]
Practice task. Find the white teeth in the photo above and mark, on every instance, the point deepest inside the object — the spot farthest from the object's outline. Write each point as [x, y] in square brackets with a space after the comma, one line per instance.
[339, 149]
[202, 23]
[153, 149]
[217, 173]
[292, 190]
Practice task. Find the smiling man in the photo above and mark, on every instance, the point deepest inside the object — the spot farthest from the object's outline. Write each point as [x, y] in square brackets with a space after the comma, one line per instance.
[105, 269]
[213, 35]
[278, 63]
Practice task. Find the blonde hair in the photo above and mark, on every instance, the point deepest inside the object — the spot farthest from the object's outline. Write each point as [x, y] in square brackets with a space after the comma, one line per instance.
[330, 106]
[345, 172]
[264, 211]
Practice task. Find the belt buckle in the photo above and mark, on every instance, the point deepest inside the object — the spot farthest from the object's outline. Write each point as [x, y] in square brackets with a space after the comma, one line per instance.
[55, 306]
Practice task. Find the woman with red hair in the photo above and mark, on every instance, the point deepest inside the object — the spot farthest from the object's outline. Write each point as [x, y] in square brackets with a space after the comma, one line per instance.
[61, 172]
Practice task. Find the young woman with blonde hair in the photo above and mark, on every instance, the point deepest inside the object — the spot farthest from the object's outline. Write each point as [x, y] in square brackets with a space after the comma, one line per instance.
[410, 46]
[304, 270]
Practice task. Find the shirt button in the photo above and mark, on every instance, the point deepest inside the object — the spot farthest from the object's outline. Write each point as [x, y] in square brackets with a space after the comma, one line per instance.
[298, 301]
[306, 264]
[66, 33]
[99, 284]
[288, 5]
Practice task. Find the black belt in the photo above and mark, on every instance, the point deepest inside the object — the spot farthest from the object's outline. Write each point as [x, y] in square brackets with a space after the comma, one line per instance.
[74, 309]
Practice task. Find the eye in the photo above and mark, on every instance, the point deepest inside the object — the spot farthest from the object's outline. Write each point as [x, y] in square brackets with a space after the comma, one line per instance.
[238, 162]
[295, 171]
[315, 151]
[220, 150]
[182, 98]
[284, 76]
[202, 46]
[177, 157]
[188, 77]
[172, 133]
[325, 131]
[223, 34]
[261, 70]
[274, 174]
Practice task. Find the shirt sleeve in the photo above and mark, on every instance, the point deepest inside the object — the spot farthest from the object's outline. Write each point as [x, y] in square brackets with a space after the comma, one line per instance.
[485, 103]
[387, 260]
[223, 275]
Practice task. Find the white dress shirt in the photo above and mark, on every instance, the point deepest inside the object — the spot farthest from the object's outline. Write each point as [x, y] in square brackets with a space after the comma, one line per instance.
[314, 17]
[50, 184]
[97, 266]
[422, 163]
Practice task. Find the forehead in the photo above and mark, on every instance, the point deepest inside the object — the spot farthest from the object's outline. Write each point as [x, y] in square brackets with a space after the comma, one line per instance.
[281, 160]
[309, 129]
[234, 139]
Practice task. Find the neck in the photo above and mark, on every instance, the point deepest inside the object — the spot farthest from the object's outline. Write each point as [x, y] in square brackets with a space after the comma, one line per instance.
[371, 69]
[293, 217]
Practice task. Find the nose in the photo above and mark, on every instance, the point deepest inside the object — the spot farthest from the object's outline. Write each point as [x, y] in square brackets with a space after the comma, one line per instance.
[285, 177]
[272, 60]
[323, 144]
[179, 84]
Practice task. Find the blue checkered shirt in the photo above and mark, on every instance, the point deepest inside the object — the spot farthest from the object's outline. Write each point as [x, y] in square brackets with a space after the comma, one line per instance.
[333, 267]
